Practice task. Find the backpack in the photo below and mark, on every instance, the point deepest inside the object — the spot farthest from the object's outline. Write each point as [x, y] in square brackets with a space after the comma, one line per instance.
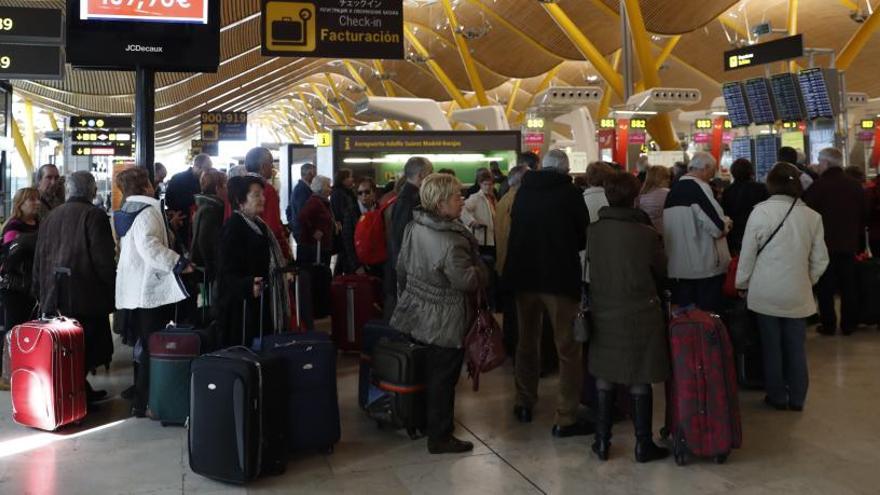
[369, 236]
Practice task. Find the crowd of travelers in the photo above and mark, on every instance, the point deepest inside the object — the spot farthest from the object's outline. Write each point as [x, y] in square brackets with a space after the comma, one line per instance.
[530, 244]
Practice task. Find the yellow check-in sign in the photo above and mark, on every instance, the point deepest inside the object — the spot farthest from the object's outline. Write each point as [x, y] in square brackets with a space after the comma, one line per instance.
[290, 26]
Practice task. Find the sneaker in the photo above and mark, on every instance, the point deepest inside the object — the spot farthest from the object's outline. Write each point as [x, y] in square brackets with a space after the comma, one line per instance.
[450, 445]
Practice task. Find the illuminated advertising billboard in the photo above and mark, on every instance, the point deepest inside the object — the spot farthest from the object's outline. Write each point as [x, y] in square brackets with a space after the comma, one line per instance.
[184, 11]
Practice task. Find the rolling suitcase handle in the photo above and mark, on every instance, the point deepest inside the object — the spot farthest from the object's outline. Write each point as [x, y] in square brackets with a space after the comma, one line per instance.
[60, 272]
[244, 316]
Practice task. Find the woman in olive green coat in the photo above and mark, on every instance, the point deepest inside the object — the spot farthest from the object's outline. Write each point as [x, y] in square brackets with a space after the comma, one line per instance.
[628, 343]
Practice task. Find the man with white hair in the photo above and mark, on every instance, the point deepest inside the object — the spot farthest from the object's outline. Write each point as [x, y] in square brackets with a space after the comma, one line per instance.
[694, 230]
[841, 201]
[76, 236]
[548, 230]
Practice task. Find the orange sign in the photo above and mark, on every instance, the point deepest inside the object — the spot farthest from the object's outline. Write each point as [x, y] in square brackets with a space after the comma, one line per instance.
[186, 11]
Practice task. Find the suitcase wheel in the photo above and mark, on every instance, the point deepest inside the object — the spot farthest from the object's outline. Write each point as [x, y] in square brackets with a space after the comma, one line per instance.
[721, 458]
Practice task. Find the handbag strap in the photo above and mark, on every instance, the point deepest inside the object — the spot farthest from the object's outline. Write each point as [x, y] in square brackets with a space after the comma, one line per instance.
[777, 227]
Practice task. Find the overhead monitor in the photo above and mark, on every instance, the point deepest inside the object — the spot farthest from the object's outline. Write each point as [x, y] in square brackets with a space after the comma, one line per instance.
[766, 152]
[735, 99]
[787, 95]
[167, 35]
[760, 103]
[741, 147]
[818, 99]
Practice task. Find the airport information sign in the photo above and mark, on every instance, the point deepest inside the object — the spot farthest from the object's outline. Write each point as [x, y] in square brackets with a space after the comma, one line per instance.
[333, 28]
[764, 53]
[95, 135]
[26, 25]
[182, 11]
[224, 126]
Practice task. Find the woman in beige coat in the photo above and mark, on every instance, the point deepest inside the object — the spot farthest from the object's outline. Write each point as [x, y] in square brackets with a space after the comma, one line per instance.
[439, 272]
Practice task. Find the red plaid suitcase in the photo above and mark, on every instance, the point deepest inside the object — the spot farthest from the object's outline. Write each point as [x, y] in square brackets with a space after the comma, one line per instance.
[48, 373]
[702, 408]
[355, 300]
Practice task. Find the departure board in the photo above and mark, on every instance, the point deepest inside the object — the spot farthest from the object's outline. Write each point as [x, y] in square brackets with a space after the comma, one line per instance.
[737, 109]
[787, 95]
[741, 147]
[766, 151]
[760, 104]
[817, 99]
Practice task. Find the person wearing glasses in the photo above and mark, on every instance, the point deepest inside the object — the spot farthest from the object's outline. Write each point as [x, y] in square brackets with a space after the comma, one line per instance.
[366, 196]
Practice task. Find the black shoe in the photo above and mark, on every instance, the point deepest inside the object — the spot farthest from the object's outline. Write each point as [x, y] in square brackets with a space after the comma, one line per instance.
[822, 330]
[604, 419]
[93, 395]
[450, 445]
[128, 393]
[795, 408]
[778, 406]
[523, 414]
[138, 412]
[643, 412]
[846, 332]
[577, 429]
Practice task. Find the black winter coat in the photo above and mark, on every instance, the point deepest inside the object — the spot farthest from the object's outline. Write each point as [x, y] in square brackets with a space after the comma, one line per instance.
[738, 201]
[181, 192]
[842, 203]
[206, 233]
[401, 214]
[343, 203]
[243, 255]
[548, 230]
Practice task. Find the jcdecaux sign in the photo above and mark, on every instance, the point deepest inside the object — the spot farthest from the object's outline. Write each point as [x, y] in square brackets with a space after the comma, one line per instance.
[333, 28]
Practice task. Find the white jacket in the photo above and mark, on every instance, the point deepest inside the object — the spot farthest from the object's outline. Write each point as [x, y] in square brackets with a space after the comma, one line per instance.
[693, 231]
[595, 199]
[478, 208]
[145, 275]
[780, 280]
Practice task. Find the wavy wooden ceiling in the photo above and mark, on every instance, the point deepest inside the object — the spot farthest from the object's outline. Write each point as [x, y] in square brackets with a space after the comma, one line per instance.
[523, 43]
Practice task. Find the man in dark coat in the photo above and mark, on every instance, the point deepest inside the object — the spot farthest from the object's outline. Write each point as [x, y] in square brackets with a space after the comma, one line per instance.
[415, 171]
[841, 201]
[77, 236]
[301, 193]
[180, 195]
[548, 230]
[343, 203]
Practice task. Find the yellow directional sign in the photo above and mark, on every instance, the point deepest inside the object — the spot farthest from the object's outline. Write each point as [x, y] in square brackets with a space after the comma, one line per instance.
[323, 139]
[290, 26]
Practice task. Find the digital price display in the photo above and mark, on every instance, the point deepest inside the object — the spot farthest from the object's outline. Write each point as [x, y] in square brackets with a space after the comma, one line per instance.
[638, 124]
[30, 62]
[741, 147]
[96, 135]
[703, 124]
[182, 11]
[817, 99]
[27, 25]
[607, 123]
[787, 95]
[867, 124]
[760, 104]
[735, 98]
[224, 126]
[766, 151]
[728, 124]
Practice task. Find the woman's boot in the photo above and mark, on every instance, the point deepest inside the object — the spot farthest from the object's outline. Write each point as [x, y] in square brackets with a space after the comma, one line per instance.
[643, 413]
[604, 420]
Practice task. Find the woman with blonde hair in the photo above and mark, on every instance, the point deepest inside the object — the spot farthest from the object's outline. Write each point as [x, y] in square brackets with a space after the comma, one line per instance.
[16, 260]
[652, 197]
[439, 272]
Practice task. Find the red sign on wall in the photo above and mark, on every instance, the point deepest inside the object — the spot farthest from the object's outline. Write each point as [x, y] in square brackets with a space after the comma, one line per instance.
[534, 138]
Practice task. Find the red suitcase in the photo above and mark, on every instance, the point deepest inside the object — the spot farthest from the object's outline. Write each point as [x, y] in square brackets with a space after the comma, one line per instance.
[48, 373]
[355, 300]
[702, 408]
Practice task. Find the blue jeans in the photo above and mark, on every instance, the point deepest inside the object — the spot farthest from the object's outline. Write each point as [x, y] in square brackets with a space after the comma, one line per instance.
[786, 377]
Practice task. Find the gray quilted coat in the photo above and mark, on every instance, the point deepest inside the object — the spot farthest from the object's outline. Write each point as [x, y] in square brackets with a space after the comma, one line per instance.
[438, 274]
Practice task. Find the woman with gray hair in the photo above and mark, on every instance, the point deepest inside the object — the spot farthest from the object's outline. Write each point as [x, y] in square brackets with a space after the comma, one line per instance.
[317, 224]
[439, 272]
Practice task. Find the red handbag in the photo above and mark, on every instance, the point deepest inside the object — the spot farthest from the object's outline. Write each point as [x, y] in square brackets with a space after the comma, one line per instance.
[729, 288]
[483, 345]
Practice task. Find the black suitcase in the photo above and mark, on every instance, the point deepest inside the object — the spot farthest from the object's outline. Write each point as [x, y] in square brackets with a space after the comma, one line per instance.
[315, 285]
[868, 277]
[290, 32]
[311, 395]
[374, 331]
[398, 368]
[745, 336]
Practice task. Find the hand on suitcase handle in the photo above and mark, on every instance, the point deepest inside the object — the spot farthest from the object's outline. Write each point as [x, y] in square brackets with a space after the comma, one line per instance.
[258, 286]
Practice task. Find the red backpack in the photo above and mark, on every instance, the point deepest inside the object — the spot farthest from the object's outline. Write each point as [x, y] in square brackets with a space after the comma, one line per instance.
[369, 236]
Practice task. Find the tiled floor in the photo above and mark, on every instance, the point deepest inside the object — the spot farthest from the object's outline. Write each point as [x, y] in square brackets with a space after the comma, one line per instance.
[831, 448]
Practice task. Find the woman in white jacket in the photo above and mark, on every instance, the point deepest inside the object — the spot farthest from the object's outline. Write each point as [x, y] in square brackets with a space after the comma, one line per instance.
[148, 274]
[783, 255]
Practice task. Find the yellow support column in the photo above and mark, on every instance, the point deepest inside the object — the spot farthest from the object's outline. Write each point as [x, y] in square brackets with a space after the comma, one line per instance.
[858, 41]
[660, 126]
[545, 83]
[309, 111]
[792, 27]
[586, 47]
[22, 149]
[326, 103]
[667, 51]
[52, 122]
[338, 96]
[435, 68]
[389, 91]
[469, 66]
[30, 132]
[512, 100]
[605, 103]
[360, 80]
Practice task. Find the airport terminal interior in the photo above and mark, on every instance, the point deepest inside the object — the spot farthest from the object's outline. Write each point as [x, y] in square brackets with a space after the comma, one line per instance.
[302, 307]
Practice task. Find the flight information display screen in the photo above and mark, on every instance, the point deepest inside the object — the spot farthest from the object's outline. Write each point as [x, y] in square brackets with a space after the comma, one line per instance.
[760, 104]
[766, 151]
[817, 99]
[182, 11]
[737, 109]
[741, 147]
[787, 95]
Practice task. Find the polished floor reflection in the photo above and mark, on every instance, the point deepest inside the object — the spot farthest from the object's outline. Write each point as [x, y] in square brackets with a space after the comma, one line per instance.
[833, 447]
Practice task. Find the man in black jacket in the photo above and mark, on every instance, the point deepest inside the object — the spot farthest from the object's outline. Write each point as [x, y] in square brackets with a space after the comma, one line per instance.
[548, 230]
[180, 195]
[77, 236]
[415, 171]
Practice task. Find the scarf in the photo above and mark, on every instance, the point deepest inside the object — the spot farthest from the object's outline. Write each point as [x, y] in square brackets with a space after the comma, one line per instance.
[279, 296]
